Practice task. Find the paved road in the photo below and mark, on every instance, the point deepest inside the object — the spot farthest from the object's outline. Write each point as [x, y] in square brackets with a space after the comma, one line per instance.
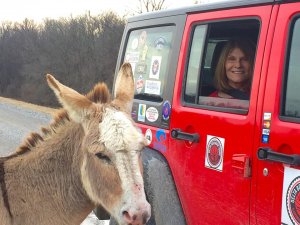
[15, 123]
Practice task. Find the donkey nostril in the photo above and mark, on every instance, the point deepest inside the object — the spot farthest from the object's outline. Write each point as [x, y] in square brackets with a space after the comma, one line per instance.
[126, 215]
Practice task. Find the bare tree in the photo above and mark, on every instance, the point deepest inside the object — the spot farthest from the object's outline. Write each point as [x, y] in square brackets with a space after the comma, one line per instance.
[150, 5]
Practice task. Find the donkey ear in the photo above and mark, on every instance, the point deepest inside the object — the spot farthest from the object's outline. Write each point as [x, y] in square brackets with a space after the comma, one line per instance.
[76, 104]
[124, 88]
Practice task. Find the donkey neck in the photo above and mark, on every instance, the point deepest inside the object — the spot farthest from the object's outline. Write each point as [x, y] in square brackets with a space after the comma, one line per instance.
[49, 177]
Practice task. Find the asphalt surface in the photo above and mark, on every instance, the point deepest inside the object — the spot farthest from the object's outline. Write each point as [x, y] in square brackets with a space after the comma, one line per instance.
[15, 124]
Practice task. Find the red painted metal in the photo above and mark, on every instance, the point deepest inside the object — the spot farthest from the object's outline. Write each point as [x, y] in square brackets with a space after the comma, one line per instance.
[210, 196]
[284, 136]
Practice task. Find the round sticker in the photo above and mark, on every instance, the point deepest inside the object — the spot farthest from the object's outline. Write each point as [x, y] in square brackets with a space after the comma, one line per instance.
[151, 114]
[148, 136]
[160, 43]
[166, 110]
[293, 201]
[214, 152]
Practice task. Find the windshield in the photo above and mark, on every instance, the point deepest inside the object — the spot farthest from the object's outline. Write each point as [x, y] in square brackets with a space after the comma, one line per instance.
[148, 51]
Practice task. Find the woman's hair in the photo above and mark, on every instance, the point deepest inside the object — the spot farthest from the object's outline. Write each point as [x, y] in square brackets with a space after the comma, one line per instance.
[220, 78]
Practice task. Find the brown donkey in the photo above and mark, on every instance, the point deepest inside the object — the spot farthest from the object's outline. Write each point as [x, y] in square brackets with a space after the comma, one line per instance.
[89, 156]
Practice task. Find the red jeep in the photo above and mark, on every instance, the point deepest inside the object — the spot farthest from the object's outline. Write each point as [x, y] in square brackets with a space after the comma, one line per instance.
[213, 160]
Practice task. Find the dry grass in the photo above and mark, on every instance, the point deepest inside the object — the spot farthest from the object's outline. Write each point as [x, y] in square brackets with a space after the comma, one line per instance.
[29, 105]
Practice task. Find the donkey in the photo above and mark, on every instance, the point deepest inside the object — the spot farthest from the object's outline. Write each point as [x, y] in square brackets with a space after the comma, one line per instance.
[90, 155]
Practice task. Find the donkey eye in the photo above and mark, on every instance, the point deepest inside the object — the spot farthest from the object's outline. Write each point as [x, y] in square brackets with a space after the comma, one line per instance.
[103, 157]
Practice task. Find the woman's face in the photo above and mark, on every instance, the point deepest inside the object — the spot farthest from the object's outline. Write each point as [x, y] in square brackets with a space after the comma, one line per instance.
[238, 68]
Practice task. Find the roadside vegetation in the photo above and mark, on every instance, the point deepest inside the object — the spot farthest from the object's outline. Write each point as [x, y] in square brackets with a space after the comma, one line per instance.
[79, 51]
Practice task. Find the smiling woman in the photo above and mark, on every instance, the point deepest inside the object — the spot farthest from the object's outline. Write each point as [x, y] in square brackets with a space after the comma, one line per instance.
[234, 70]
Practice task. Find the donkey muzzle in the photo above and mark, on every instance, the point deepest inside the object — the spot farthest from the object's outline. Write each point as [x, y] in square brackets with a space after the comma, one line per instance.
[137, 216]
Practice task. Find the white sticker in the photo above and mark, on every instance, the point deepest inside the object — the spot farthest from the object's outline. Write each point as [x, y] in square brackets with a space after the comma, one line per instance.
[141, 112]
[152, 87]
[151, 114]
[267, 116]
[266, 131]
[134, 43]
[148, 136]
[214, 153]
[132, 57]
[290, 211]
[155, 67]
[133, 67]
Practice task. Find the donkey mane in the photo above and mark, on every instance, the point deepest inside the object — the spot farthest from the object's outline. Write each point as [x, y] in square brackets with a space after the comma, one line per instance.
[99, 94]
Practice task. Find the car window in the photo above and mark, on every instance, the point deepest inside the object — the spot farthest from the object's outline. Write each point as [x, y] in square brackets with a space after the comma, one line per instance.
[194, 65]
[148, 51]
[220, 50]
[291, 99]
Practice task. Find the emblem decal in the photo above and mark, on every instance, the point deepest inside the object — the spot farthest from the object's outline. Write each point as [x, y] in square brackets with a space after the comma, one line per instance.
[148, 136]
[160, 43]
[166, 110]
[293, 201]
[155, 67]
[160, 143]
[214, 153]
[290, 209]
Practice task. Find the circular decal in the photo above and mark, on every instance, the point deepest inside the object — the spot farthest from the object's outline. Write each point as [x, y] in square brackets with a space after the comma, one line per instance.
[151, 114]
[148, 136]
[293, 201]
[214, 152]
[166, 110]
[160, 43]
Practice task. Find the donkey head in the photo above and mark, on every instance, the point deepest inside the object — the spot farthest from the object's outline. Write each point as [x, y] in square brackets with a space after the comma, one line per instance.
[111, 168]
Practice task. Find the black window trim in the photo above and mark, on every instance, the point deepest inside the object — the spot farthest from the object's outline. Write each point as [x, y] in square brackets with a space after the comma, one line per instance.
[282, 117]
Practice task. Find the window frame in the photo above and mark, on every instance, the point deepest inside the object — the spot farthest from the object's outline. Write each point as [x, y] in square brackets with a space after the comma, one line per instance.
[208, 24]
[172, 27]
[178, 21]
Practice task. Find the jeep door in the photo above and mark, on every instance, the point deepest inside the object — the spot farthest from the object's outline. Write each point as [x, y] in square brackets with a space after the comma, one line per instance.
[278, 145]
[213, 137]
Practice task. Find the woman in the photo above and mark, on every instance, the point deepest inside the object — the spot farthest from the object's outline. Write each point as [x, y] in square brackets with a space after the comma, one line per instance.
[234, 70]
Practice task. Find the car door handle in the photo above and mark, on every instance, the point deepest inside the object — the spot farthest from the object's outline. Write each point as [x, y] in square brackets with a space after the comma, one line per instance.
[270, 155]
[179, 135]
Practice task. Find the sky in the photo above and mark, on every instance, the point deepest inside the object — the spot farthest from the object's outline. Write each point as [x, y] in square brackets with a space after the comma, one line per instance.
[37, 10]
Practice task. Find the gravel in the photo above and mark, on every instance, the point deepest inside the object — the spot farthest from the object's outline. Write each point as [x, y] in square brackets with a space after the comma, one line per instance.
[16, 123]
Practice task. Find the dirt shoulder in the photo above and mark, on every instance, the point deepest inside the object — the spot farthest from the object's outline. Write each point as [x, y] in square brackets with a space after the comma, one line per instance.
[43, 109]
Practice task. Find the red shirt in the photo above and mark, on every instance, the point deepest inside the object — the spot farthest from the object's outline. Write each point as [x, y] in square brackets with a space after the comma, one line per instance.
[214, 94]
